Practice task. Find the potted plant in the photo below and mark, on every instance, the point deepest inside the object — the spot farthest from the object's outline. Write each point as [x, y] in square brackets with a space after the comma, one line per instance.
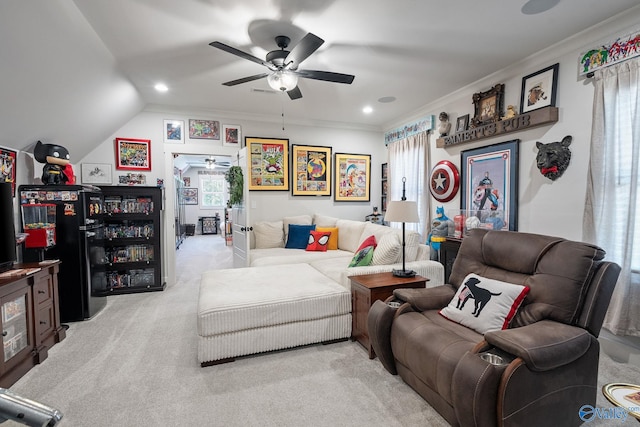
[235, 180]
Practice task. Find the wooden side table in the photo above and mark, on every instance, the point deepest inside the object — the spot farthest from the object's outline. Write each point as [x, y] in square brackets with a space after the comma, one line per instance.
[367, 289]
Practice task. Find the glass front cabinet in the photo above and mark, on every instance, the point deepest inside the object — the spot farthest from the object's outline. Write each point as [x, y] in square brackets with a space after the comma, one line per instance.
[132, 240]
[17, 335]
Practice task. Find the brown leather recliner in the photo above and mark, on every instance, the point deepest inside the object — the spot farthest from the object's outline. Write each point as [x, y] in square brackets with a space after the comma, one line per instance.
[550, 350]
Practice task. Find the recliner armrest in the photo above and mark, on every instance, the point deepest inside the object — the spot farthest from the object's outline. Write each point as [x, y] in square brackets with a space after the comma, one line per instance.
[426, 298]
[543, 345]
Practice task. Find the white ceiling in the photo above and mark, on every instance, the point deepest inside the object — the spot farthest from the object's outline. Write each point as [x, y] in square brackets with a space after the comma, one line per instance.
[413, 50]
[75, 72]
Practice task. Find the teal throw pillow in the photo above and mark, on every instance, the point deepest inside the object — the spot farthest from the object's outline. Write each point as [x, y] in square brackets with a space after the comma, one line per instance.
[299, 236]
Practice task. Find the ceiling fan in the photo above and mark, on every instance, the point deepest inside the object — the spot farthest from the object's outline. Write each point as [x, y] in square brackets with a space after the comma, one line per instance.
[211, 163]
[283, 65]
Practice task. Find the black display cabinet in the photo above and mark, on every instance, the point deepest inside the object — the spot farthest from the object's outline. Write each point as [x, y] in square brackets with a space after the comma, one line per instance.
[132, 239]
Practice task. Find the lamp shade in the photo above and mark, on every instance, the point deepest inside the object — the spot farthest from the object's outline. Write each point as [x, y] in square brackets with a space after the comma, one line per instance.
[282, 80]
[402, 211]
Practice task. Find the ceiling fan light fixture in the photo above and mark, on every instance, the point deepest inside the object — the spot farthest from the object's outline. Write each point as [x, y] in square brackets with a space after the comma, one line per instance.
[282, 80]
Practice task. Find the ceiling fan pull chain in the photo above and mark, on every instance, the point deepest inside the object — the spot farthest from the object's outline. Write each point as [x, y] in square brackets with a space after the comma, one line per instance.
[282, 103]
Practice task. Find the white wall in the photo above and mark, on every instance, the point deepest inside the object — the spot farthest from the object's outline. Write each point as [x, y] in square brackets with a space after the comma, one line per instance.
[545, 206]
[263, 205]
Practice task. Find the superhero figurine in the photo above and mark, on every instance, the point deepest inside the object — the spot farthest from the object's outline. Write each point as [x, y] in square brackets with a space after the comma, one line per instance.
[57, 169]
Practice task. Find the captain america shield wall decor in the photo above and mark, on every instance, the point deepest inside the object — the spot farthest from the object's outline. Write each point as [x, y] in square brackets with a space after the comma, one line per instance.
[444, 181]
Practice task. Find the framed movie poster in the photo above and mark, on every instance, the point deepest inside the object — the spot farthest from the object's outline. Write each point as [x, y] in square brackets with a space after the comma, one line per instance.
[311, 170]
[352, 177]
[268, 163]
[133, 154]
[8, 160]
[490, 186]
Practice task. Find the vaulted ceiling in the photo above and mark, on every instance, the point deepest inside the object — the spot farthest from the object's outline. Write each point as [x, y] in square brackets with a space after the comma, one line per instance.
[74, 72]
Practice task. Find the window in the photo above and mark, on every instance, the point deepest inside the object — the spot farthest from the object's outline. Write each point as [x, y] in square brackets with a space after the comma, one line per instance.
[212, 188]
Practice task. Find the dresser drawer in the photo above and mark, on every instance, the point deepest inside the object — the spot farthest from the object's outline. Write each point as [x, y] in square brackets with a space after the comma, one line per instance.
[43, 290]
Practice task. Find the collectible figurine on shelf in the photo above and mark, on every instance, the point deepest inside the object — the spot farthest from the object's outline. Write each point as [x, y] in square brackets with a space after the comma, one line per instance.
[511, 112]
[445, 125]
[57, 169]
[439, 232]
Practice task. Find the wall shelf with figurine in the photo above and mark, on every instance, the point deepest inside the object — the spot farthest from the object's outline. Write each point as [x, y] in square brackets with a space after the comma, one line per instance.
[518, 123]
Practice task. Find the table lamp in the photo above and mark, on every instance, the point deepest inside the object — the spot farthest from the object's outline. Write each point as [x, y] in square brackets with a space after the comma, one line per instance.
[402, 211]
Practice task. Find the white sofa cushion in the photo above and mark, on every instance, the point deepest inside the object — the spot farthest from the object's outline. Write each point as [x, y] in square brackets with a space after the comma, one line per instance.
[412, 240]
[324, 221]
[278, 256]
[349, 234]
[268, 234]
[388, 251]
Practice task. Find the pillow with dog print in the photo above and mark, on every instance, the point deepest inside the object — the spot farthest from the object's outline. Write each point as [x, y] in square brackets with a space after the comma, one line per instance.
[484, 304]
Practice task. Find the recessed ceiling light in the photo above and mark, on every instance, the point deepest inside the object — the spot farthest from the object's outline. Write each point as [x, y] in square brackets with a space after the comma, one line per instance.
[161, 87]
[387, 99]
[367, 110]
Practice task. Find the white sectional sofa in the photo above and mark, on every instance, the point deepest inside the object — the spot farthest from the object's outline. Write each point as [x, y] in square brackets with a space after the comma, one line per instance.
[292, 297]
[269, 238]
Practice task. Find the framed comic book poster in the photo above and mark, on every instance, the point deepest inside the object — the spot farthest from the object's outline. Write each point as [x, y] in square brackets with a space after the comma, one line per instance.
[8, 168]
[133, 154]
[311, 170]
[268, 164]
[489, 181]
[352, 177]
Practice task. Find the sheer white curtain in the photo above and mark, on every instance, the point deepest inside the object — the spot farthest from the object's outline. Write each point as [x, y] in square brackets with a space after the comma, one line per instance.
[612, 208]
[409, 158]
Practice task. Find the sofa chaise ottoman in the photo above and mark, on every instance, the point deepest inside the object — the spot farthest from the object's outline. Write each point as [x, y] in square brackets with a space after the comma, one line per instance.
[257, 309]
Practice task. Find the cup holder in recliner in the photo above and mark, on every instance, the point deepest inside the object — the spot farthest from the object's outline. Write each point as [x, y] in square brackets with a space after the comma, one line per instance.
[496, 358]
[394, 304]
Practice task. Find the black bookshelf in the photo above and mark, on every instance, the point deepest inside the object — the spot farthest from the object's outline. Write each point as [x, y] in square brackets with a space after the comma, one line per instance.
[132, 239]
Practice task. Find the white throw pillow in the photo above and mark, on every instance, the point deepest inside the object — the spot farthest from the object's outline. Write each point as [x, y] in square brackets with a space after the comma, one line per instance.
[485, 304]
[268, 234]
[349, 234]
[324, 221]
[388, 251]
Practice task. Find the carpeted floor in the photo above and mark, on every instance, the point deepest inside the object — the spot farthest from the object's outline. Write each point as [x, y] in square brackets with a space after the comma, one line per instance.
[135, 364]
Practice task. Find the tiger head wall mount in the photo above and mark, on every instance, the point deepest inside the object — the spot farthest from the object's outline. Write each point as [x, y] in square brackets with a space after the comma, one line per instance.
[553, 158]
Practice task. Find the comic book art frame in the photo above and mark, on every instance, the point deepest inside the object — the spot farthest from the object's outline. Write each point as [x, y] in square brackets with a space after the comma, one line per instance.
[188, 196]
[174, 131]
[500, 161]
[204, 129]
[311, 170]
[268, 163]
[8, 164]
[133, 154]
[352, 177]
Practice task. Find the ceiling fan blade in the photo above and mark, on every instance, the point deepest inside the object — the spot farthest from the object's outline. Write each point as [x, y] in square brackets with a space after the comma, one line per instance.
[241, 54]
[246, 79]
[295, 93]
[309, 44]
[326, 76]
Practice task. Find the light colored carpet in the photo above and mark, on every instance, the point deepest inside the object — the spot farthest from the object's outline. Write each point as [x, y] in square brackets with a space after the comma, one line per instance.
[135, 364]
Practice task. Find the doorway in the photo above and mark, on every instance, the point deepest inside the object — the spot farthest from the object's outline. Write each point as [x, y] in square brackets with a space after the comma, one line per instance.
[181, 162]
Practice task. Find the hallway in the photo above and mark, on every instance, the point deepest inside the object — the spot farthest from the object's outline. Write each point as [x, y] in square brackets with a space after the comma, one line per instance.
[201, 253]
